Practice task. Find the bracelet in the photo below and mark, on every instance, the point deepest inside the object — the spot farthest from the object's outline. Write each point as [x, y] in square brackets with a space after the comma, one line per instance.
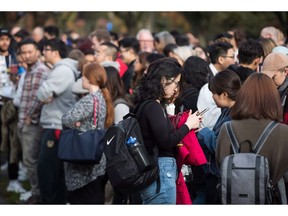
[179, 145]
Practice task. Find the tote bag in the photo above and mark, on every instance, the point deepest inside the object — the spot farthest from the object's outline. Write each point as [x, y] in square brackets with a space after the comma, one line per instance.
[82, 147]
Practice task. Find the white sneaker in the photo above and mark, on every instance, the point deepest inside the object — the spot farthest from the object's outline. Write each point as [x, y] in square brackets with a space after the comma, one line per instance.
[4, 166]
[15, 186]
[25, 196]
[22, 175]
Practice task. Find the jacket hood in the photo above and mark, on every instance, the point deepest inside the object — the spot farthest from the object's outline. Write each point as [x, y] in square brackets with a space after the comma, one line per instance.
[72, 64]
[111, 64]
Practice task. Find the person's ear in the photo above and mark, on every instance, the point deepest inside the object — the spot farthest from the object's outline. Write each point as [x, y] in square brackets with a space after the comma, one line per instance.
[224, 95]
[220, 60]
[257, 61]
[163, 80]
[286, 71]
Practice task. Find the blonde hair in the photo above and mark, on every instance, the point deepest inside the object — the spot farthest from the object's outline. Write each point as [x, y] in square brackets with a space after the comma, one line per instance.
[268, 44]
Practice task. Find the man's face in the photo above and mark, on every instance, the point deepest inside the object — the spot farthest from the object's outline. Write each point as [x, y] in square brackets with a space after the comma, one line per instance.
[96, 43]
[29, 54]
[48, 54]
[279, 76]
[100, 54]
[228, 59]
[4, 43]
[146, 42]
[125, 54]
[21, 61]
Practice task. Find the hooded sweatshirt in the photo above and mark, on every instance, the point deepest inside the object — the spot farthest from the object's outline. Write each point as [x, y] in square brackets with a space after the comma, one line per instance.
[59, 86]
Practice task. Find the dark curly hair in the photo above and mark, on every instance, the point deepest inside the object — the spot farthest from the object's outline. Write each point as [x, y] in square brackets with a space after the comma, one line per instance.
[150, 86]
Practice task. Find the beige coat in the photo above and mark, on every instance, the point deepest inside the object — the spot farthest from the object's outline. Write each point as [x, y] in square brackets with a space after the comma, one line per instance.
[9, 117]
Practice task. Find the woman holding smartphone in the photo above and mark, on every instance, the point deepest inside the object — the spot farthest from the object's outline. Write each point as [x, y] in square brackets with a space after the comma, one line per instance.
[160, 84]
[224, 87]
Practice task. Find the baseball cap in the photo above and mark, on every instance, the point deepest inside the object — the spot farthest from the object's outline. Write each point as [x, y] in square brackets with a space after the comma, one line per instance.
[281, 49]
[4, 31]
[273, 62]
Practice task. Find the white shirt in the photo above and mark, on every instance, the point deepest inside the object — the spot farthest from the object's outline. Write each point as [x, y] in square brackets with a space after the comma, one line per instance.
[213, 69]
[120, 110]
[17, 98]
[205, 100]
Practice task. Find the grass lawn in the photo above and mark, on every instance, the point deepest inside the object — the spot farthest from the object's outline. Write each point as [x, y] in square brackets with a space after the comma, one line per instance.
[10, 197]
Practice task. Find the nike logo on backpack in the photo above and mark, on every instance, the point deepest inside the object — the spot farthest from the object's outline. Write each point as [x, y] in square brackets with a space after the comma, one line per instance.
[109, 141]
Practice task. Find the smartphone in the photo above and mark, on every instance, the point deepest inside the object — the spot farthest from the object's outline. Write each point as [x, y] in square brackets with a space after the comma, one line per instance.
[203, 111]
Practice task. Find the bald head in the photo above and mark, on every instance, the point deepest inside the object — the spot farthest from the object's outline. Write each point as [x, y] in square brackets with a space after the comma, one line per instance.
[38, 33]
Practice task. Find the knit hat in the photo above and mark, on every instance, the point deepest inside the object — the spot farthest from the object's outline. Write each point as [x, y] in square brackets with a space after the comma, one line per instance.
[4, 31]
[274, 62]
[281, 49]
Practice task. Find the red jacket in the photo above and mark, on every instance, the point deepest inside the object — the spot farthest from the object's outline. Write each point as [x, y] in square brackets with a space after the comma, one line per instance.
[190, 153]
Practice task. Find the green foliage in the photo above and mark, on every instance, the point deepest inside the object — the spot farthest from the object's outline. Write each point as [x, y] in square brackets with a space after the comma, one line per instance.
[202, 24]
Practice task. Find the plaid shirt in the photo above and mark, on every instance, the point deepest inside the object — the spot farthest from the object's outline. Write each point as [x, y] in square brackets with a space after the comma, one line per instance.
[30, 106]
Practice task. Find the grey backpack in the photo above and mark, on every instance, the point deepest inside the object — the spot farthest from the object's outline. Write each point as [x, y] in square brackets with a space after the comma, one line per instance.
[245, 177]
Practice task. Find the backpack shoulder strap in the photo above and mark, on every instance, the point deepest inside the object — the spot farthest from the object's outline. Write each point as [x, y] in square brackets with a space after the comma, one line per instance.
[140, 108]
[262, 139]
[120, 101]
[155, 149]
[233, 140]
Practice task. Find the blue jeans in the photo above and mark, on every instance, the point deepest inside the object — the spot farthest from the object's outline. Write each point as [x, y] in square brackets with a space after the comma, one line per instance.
[168, 175]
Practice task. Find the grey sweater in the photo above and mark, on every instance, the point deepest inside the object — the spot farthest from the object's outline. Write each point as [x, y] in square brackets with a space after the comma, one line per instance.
[59, 86]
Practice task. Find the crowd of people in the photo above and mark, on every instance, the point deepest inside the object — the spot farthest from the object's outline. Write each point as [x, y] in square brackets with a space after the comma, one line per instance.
[51, 80]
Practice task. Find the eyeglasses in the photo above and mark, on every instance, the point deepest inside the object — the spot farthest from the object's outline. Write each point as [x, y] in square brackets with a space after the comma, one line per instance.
[229, 56]
[282, 70]
[125, 50]
[175, 82]
[145, 41]
[47, 49]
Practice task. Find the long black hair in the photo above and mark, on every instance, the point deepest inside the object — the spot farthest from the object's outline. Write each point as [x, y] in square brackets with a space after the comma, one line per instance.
[150, 86]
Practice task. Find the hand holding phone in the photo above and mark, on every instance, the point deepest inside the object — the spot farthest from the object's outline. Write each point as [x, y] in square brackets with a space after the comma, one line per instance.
[193, 120]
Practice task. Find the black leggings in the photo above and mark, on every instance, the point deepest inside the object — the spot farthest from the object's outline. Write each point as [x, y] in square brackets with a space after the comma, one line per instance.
[92, 193]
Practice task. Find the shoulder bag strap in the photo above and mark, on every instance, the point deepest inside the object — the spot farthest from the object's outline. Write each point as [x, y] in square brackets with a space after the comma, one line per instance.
[94, 112]
[262, 139]
[233, 140]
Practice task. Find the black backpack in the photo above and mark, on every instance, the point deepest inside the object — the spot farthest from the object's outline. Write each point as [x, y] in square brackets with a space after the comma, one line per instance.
[122, 169]
[245, 177]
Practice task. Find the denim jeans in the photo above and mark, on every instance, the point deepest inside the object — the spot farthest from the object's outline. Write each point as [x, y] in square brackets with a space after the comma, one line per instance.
[30, 137]
[168, 175]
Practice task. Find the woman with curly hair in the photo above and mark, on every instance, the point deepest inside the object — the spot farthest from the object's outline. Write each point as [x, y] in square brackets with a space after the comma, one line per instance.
[160, 85]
